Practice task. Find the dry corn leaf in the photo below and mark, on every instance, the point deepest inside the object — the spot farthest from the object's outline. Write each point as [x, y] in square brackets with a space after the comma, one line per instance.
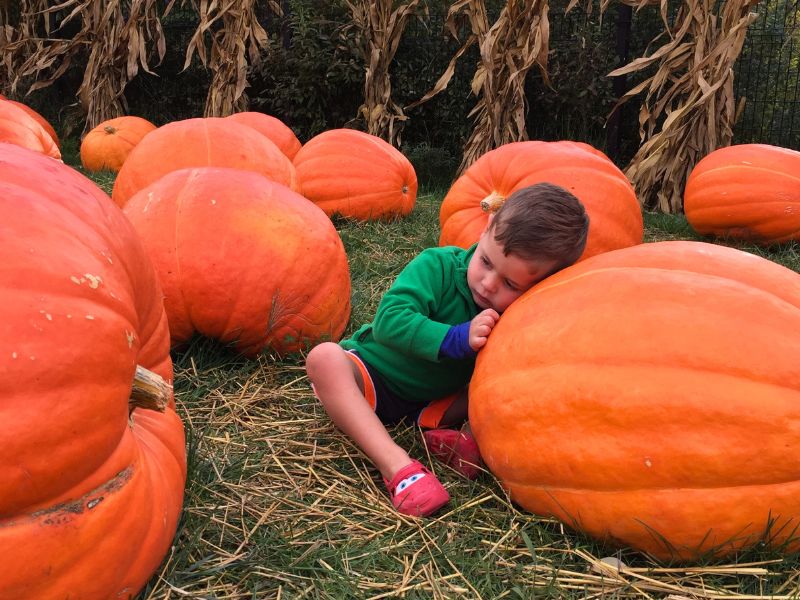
[236, 41]
[380, 26]
[516, 42]
[689, 109]
[118, 34]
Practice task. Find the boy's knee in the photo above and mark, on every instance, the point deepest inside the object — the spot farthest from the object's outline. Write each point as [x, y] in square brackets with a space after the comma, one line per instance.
[322, 356]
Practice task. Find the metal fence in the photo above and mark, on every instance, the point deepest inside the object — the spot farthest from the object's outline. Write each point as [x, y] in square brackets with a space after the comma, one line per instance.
[767, 77]
[584, 48]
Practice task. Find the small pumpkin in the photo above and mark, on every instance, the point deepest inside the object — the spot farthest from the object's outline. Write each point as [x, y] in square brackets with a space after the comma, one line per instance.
[615, 217]
[356, 175]
[200, 142]
[19, 127]
[749, 192]
[623, 396]
[276, 130]
[276, 276]
[108, 145]
[90, 493]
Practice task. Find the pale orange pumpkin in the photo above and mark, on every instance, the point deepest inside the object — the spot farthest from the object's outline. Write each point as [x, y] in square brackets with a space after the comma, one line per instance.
[748, 192]
[276, 130]
[39, 119]
[243, 259]
[615, 217]
[108, 145]
[209, 142]
[356, 175]
[650, 397]
[19, 127]
[90, 495]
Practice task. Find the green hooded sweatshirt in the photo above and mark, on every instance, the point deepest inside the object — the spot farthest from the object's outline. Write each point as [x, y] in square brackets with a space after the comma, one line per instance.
[402, 343]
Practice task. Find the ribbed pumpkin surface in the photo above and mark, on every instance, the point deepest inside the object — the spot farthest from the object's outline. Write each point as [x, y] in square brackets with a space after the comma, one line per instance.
[89, 501]
[749, 192]
[19, 127]
[614, 212]
[211, 142]
[108, 145]
[356, 175]
[243, 259]
[276, 130]
[39, 119]
[650, 397]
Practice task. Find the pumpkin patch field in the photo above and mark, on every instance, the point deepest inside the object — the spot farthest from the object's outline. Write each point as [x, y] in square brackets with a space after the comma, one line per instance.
[662, 365]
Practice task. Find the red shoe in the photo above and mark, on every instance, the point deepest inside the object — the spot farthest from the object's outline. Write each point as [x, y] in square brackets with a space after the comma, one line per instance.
[416, 492]
[456, 449]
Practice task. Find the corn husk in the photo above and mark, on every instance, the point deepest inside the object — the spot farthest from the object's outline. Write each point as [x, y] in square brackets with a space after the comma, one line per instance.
[120, 37]
[514, 44]
[236, 40]
[689, 108]
[381, 26]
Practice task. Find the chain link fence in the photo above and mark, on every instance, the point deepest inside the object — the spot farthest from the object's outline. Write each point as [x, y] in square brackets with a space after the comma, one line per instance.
[312, 77]
[768, 77]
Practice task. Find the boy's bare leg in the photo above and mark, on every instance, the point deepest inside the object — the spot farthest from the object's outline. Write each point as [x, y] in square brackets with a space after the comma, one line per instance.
[337, 387]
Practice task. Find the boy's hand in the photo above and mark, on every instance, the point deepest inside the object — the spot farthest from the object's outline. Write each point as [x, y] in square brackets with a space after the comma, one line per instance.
[481, 326]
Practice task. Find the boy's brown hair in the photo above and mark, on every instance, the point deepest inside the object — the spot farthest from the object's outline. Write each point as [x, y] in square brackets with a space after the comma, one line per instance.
[542, 221]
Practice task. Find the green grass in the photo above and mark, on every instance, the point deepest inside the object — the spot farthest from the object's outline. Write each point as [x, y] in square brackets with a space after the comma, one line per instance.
[280, 505]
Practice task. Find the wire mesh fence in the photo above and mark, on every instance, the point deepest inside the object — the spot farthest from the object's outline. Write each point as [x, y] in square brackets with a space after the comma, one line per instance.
[768, 77]
[322, 91]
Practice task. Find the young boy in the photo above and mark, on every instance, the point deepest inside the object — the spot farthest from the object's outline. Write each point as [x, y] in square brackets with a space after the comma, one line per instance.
[416, 358]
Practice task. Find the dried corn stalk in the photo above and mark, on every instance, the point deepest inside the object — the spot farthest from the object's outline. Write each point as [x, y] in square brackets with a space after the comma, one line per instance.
[17, 34]
[236, 36]
[515, 43]
[117, 45]
[381, 29]
[27, 45]
[689, 108]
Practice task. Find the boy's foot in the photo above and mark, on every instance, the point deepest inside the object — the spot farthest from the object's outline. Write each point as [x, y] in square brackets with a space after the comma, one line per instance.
[457, 449]
[416, 492]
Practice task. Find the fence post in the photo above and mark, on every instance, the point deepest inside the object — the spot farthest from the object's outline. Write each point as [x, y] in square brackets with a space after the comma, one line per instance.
[619, 84]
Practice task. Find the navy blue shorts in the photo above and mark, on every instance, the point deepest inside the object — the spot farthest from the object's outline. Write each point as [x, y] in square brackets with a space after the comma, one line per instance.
[392, 408]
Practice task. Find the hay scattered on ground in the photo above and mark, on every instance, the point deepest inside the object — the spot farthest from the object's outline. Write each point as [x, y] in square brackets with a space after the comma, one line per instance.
[280, 505]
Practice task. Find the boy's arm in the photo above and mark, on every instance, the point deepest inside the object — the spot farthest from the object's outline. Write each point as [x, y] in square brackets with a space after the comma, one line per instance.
[464, 340]
[403, 318]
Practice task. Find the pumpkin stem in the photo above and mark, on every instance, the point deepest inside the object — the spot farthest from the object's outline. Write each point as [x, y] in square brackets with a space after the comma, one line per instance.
[492, 202]
[150, 391]
[110, 130]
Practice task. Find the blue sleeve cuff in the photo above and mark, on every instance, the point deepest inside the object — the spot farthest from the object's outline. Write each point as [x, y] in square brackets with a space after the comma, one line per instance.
[456, 343]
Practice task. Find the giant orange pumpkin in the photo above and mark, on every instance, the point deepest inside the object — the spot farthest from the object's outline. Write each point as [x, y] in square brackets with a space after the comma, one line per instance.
[109, 144]
[89, 498]
[356, 175]
[650, 396]
[614, 212]
[275, 129]
[243, 259]
[749, 192]
[210, 142]
[19, 127]
[38, 118]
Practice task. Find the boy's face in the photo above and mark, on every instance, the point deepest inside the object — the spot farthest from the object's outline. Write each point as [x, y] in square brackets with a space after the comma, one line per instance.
[496, 280]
